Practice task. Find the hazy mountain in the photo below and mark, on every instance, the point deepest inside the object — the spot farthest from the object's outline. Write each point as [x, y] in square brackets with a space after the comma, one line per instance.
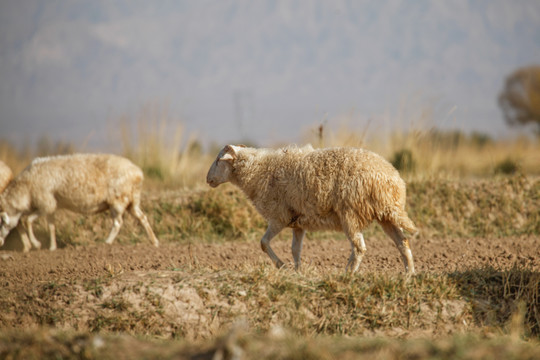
[258, 69]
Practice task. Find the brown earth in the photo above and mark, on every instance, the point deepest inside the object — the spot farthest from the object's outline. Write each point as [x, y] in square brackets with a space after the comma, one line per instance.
[18, 270]
[197, 291]
[140, 289]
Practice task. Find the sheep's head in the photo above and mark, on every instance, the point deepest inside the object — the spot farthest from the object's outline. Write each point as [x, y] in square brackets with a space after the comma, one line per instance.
[221, 169]
[6, 224]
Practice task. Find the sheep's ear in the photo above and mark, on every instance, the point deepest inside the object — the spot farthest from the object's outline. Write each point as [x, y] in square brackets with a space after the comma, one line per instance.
[5, 218]
[227, 157]
[229, 153]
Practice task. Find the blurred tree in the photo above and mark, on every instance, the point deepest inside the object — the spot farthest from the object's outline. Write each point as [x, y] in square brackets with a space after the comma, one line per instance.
[520, 98]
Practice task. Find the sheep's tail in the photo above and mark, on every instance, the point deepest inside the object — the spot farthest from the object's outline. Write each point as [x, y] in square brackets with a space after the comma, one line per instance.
[404, 222]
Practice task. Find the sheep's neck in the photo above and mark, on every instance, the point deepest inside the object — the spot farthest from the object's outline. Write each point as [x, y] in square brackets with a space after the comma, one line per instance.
[16, 197]
[248, 176]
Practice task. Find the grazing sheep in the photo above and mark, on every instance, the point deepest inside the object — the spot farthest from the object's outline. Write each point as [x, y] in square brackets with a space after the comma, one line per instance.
[83, 183]
[5, 176]
[341, 189]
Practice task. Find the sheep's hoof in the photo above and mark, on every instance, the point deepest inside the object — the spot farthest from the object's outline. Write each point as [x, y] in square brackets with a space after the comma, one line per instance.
[280, 264]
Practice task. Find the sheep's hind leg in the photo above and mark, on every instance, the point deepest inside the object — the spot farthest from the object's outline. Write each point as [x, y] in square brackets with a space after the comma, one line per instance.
[138, 213]
[298, 236]
[358, 249]
[402, 244]
[271, 231]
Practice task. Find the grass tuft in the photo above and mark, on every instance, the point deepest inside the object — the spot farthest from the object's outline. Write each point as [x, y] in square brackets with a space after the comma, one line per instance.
[510, 298]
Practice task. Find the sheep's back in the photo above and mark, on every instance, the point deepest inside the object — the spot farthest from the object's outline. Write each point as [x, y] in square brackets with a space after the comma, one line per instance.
[83, 182]
[325, 182]
[327, 171]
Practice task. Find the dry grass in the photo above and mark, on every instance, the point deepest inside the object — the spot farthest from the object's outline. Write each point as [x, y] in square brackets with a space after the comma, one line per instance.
[495, 193]
[285, 315]
[173, 159]
[451, 154]
[160, 147]
[501, 207]
[196, 303]
[54, 344]
[458, 186]
[157, 143]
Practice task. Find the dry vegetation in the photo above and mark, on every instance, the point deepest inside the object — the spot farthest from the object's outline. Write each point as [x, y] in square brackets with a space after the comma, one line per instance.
[461, 187]
[260, 311]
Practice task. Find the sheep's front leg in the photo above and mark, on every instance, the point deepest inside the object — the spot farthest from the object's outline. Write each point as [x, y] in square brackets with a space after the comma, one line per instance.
[24, 238]
[358, 249]
[117, 224]
[298, 236]
[271, 231]
[52, 232]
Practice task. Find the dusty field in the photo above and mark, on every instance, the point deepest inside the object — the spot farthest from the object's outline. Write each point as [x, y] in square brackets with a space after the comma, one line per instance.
[131, 300]
[19, 271]
[32, 274]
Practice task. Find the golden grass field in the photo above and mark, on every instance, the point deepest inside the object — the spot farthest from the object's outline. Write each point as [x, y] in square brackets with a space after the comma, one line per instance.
[208, 291]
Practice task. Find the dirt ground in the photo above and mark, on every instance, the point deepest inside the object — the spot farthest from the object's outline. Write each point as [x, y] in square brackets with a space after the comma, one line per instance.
[18, 270]
[171, 292]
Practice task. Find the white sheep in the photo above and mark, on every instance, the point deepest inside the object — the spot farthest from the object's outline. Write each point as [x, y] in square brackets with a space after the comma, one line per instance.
[342, 189]
[6, 175]
[83, 183]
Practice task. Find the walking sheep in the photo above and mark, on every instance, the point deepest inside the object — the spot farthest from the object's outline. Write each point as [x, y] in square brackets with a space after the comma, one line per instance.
[5, 175]
[83, 183]
[342, 189]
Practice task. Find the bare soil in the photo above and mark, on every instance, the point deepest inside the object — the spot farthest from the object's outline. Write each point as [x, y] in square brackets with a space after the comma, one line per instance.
[19, 270]
[170, 291]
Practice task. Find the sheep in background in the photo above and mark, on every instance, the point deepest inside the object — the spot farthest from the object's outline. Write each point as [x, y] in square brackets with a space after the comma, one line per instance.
[83, 183]
[5, 175]
[342, 189]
